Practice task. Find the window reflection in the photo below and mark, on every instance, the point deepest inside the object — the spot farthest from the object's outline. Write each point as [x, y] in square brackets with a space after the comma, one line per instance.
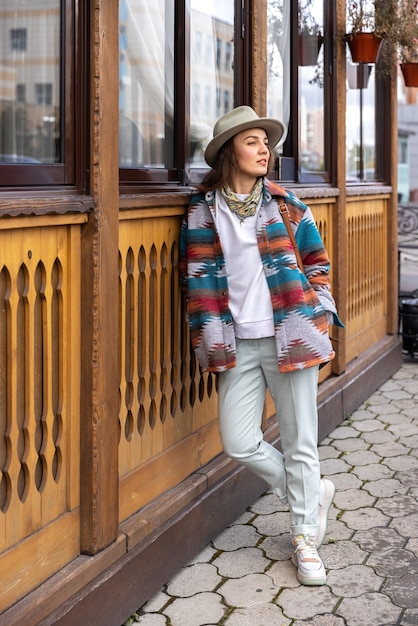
[30, 107]
[360, 122]
[278, 60]
[311, 89]
[146, 90]
[211, 71]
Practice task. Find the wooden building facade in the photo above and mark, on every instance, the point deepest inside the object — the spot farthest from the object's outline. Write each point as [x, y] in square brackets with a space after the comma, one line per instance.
[112, 474]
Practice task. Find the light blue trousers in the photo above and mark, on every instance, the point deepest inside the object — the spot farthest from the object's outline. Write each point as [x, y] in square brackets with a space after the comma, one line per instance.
[294, 475]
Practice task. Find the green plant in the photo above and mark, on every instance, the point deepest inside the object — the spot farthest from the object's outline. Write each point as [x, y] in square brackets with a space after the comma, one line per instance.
[367, 16]
[306, 21]
[384, 17]
[360, 16]
[406, 31]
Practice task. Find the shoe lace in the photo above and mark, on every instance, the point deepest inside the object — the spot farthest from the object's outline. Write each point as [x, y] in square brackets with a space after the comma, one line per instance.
[306, 547]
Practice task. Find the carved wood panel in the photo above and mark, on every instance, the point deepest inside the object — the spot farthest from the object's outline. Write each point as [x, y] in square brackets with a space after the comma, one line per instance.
[39, 400]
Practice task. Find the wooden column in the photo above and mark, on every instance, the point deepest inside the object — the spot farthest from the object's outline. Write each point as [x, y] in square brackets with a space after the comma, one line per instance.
[338, 134]
[259, 59]
[393, 286]
[99, 301]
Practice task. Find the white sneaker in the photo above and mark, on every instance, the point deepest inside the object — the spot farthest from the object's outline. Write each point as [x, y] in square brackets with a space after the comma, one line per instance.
[326, 496]
[311, 570]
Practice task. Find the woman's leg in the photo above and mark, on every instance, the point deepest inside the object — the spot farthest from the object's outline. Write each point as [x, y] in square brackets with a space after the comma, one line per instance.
[241, 400]
[295, 397]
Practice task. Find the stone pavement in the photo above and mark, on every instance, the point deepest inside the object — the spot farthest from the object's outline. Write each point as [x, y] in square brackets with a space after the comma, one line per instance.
[245, 577]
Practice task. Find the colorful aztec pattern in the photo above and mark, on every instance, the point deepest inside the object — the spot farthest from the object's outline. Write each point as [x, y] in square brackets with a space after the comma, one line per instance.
[300, 301]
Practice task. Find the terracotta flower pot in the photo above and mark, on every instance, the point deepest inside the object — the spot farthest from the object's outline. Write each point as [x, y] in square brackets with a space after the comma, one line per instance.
[364, 47]
[410, 74]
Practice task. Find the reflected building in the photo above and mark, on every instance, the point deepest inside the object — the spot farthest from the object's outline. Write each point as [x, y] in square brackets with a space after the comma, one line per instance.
[30, 81]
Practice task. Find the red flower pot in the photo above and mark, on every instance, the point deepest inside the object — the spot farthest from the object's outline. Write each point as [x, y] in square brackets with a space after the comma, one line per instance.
[410, 74]
[364, 47]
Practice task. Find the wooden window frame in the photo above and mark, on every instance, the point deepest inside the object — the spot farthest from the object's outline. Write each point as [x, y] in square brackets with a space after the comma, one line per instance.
[140, 180]
[71, 172]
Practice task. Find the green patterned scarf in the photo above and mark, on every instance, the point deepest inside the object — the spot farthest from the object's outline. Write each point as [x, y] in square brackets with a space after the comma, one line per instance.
[247, 207]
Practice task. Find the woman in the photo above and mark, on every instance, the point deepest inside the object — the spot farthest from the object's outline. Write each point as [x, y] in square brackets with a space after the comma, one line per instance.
[259, 322]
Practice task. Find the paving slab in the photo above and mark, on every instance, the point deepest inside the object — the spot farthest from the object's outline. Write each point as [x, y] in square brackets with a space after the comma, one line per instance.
[262, 614]
[199, 610]
[245, 577]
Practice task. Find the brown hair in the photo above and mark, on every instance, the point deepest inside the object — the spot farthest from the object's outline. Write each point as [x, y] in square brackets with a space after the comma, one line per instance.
[226, 165]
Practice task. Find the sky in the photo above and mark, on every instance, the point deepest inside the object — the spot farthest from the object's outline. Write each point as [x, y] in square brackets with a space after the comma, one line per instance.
[223, 9]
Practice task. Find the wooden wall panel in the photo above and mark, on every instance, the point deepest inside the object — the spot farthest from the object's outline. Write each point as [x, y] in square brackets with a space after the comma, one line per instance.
[324, 214]
[39, 398]
[367, 273]
[168, 409]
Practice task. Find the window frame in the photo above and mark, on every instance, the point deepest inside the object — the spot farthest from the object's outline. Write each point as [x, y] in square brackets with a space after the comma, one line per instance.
[286, 169]
[14, 39]
[73, 60]
[139, 180]
[287, 166]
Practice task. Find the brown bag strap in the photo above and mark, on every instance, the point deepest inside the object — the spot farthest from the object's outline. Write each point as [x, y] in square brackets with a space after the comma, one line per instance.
[284, 211]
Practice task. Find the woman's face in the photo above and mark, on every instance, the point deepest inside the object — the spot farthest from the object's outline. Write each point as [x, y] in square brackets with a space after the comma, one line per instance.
[252, 152]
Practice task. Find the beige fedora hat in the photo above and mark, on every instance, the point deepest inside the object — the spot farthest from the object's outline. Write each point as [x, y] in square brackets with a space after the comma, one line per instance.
[239, 119]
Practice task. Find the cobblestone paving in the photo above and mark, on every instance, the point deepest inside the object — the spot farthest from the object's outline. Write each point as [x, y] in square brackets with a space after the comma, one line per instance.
[245, 577]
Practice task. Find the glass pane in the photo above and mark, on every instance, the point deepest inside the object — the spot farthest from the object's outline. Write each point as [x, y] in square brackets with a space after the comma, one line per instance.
[360, 122]
[311, 89]
[30, 112]
[278, 61]
[211, 71]
[146, 87]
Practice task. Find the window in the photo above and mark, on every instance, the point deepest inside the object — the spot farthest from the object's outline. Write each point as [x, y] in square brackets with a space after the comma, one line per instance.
[21, 92]
[279, 85]
[18, 39]
[227, 106]
[297, 87]
[172, 88]
[215, 19]
[402, 151]
[43, 93]
[198, 46]
[184, 64]
[360, 123]
[278, 60]
[228, 56]
[36, 143]
[146, 97]
[218, 53]
[312, 157]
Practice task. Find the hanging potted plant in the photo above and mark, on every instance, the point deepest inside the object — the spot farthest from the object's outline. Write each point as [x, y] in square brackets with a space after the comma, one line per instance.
[407, 40]
[310, 36]
[367, 24]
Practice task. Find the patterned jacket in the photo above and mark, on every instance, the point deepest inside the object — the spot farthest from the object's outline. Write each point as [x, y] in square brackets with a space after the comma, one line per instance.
[300, 301]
